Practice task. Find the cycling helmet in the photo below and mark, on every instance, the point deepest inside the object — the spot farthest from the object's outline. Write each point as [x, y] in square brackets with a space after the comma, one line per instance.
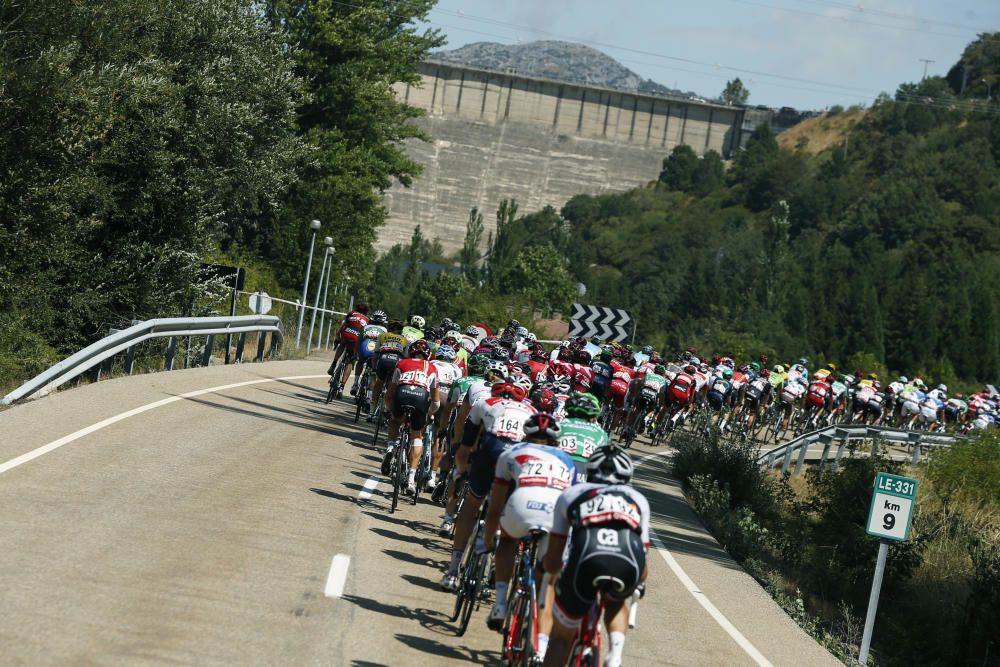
[361, 308]
[472, 331]
[448, 324]
[942, 388]
[417, 322]
[690, 369]
[607, 356]
[538, 353]
[513, 324]
[446, 353]
[500, 389]
[454, 334]
[498, 367]
[433, 333]
[727, 373]
[419, 347]
[542, 425]
[521, 332]
[531, 337]
[873, 376]
[565, 354]
[660, 369]
[582, 357]
[765, 373]
[581, 404]
[477, 364]
[523, 381]
[903, 380]
[832, 366]
[394, 326]
[647, 350]
[379, 317]
[609, 465]
[544, 400]
[802, 361]
[778, 368]
[754, 367]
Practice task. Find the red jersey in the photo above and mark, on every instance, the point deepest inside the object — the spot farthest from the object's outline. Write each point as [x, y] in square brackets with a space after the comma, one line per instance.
[538, 370]
[583, 377]
[354, 324]
[415, 372]
[560, 368]
[621, 378]
[817, 393]
[682, 388]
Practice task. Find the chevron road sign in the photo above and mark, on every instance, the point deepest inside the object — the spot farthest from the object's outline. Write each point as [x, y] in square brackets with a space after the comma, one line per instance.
[606, 323]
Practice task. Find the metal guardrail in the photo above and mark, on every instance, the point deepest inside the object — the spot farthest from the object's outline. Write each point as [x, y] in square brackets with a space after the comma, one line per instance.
[843, 434]
[126, 340]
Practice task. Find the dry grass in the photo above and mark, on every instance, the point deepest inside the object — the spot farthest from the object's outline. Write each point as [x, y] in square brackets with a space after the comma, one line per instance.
[817, 134]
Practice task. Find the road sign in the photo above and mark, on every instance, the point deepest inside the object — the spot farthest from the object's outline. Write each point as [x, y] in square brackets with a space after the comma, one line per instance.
[893, 499]
[610, 324]
[260, 303]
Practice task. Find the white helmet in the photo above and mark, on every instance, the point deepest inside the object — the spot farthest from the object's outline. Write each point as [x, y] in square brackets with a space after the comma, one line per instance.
[417, 322]
[498, 367]
[531, 337]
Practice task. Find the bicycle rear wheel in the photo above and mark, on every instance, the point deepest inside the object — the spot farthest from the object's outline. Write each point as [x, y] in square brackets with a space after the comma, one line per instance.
[334, 380]
[362, 395]
[474, 586]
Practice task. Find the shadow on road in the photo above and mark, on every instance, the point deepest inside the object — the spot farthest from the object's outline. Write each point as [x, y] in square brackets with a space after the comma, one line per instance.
[451, 650]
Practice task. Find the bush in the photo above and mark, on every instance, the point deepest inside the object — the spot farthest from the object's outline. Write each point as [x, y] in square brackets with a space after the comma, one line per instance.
[835, 110]
[23, 353]
[969, 470]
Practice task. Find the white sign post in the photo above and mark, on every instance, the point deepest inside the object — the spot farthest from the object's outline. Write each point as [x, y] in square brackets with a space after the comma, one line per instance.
[260, 302]
[893, 499]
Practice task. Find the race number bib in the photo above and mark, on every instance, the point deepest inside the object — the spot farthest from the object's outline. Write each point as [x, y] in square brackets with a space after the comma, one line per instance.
[510, 426]
[542, 473]
[605, 508]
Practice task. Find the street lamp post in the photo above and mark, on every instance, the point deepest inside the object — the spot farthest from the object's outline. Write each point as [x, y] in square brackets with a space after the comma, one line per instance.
[326, 289]
[314, 225]
[319, 288]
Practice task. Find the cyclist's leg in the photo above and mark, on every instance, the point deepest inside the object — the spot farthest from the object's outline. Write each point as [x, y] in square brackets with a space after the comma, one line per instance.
[481, 472]
[616, 622]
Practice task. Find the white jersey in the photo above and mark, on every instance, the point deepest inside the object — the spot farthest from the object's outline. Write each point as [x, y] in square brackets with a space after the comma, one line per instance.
[502, 417]
[447, 373]
[531, 465]
[469, 344]
[476, 392]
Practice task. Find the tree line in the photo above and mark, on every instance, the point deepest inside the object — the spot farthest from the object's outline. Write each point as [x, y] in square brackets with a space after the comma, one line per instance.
[139, 139]
[879, 252]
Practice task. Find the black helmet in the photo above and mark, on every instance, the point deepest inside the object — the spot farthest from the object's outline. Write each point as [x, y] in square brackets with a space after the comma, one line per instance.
[542, 426]
[609, 465]
[379, 317]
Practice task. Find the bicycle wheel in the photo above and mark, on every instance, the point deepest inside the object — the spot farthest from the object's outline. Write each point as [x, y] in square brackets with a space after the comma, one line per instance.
[362, 395]
[377, 420]
[473, 587]
[398, 470]
[337, 370]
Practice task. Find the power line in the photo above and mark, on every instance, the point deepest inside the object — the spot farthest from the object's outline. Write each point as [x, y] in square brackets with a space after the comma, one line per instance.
[860, 8]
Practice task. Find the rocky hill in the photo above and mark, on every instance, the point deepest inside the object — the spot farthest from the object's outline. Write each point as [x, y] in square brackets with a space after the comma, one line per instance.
[565, 61]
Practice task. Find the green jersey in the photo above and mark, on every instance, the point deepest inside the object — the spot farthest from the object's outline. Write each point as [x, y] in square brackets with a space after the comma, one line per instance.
[459, 387]
[580, 438]
[654, 381]
[412, 334]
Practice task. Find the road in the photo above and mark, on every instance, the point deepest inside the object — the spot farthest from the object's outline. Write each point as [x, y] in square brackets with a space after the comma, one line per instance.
[212, 517]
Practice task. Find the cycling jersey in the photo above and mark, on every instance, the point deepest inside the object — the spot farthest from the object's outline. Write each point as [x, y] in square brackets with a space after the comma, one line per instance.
[602, 379]
[681, 389]
[373, 331]
[388, 342]
[589, 505]
[477, 391]
[818, 393]
[502, 421]
[583, 377]
[717, 392]
[580, 438]
[352, 328]
[539, 474]
[447, 373]
[415, 373]
[538, 370]
[412, 334]
[757, 389]
[459, 387]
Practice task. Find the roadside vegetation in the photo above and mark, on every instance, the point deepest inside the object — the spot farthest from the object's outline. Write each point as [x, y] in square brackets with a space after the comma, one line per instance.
[804, 539]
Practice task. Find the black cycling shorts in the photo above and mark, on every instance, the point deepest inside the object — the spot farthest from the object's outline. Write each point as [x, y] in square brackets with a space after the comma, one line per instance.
[483, 463]
[753, 398]
[608, 558]
[408, 395]
[386, 364]
[715, 400]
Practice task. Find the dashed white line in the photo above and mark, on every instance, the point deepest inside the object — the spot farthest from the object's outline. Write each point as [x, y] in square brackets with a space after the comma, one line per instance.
[695, 592]
[369, 488]
[338, 576]
[76, 435]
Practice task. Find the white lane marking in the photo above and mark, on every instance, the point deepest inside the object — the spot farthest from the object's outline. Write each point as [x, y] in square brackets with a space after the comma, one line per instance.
[76, 435]
[369, 488]
[338, 576]
[695, 592]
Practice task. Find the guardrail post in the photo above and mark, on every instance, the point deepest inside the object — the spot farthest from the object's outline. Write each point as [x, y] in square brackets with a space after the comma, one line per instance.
[770, 460]
[802, 458]
[843, 435]
[206, 358]
[787, 462]
[261, 337]
[240, 342]
[826, 440]
[273, 351]
[915, 442]
[129, 359]
[168, 363]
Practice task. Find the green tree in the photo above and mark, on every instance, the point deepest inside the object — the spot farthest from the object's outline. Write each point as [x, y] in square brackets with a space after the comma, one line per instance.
[469, 256]
[351, 55]
[735, 93]
[135, 136]
[539, 274]
[502, 245]
[708, 173]
[679, 168]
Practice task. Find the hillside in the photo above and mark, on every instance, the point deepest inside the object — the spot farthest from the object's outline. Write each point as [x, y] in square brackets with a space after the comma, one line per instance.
[815, 135]
[554, 59]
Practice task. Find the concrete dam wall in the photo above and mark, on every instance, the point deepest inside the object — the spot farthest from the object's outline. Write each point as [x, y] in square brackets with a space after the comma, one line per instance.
[539, 141]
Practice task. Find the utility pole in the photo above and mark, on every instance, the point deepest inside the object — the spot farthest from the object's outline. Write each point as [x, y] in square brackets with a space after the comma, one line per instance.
[926, 62]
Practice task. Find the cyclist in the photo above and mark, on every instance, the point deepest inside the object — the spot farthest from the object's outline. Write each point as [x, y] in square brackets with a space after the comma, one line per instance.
[758, 396]
[579, 434]
[719, 389]
[496, 424]
[414, 384]
[391, 347]
[607, 552]
[414, 331]
[602, 375]
[652, 386]
[347, 338]
[447, 373]
[369, 344]
[529, 479]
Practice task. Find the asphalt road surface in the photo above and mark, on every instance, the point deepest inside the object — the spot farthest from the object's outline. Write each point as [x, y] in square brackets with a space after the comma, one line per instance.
[226, 516]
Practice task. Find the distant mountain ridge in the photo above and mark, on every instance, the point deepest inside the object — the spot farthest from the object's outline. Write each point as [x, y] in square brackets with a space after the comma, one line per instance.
[565, 61]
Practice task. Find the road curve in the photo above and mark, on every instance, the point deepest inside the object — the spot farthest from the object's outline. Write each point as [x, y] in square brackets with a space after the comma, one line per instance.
[225, 527]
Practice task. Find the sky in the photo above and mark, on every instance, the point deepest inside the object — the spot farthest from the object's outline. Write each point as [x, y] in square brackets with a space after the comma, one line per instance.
[807, 54]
